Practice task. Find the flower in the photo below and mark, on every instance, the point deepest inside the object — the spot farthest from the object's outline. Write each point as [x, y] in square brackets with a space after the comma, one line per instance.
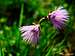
[59, 17]
[30, 33]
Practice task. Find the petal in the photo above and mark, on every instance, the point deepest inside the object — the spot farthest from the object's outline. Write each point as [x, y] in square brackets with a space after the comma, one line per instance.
[26, 28]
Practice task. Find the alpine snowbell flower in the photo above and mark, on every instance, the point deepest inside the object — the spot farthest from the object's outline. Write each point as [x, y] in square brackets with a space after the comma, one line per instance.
[30, 33]
[59, 17]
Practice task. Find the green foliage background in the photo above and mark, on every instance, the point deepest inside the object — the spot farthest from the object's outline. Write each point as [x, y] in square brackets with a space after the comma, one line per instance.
[51, 43]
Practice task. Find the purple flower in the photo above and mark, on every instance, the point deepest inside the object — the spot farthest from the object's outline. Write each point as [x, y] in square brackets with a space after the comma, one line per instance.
[30, 33]
[58, 17]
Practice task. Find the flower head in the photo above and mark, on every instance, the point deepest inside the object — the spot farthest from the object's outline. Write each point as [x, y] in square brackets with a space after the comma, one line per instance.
[58, 17]
[30, 33]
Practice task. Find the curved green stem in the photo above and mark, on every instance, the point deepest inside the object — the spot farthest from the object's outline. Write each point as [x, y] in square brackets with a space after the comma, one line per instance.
[41, 19]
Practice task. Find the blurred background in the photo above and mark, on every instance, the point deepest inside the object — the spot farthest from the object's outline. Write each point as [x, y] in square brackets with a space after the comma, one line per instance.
[16, 13]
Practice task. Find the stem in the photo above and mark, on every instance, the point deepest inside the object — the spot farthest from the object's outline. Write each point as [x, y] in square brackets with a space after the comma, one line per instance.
[20, 23]
[1, 52]
[21, 14]
[41, 19]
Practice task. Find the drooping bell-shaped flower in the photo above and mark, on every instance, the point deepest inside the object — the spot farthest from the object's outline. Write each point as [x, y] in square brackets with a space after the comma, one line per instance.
[30, 33]
[59, 17]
